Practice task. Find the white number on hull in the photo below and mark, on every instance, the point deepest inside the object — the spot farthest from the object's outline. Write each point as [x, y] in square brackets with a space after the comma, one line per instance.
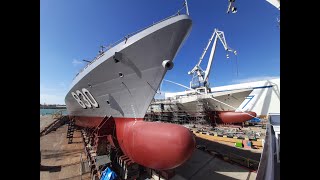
[91, 98]
[87, 103]
[87, 98]
[76, 97]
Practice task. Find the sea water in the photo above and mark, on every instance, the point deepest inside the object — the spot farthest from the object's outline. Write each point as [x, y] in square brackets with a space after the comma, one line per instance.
[52, 111]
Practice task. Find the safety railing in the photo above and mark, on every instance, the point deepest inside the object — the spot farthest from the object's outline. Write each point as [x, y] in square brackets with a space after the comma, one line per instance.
[125, 38]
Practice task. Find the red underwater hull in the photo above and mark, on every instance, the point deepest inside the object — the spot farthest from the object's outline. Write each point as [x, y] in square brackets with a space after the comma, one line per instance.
[155, 145]
[232, 117]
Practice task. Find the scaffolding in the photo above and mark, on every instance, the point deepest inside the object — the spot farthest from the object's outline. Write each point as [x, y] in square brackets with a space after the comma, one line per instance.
[200, 116]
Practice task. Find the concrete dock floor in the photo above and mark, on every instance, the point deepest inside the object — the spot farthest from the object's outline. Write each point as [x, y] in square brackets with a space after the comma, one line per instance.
[226, 148]
[45, 121]
[205, 166]
[61, 160]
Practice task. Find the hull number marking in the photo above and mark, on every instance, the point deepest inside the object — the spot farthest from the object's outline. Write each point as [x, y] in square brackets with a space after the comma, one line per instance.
[85, 98]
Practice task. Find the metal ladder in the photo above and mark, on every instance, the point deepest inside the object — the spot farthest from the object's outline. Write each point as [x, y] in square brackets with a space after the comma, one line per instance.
[70, 131]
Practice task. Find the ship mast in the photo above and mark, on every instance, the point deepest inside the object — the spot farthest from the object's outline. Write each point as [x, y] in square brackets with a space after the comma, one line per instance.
[187, 9]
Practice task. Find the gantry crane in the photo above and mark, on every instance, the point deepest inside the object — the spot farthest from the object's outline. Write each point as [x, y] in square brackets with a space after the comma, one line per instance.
[200, 77]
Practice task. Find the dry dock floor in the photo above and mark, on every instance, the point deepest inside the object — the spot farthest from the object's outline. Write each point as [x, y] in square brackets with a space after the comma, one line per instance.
[45, 121]
[227, 147]
[207, 167]
[61, 160]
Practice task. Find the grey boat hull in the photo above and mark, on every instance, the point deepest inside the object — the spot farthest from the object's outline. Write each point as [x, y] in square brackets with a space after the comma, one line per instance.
[124, 88]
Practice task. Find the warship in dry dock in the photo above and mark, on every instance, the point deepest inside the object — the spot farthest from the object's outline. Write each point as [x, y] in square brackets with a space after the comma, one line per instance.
[199, 100]
[113, 92]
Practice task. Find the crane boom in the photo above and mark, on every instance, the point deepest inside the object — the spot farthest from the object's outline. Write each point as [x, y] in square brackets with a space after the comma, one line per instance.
[202, 56]
[200, 77]
[213, 49]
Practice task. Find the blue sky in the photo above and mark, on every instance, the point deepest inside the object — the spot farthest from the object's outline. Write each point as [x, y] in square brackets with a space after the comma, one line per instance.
[73, 30]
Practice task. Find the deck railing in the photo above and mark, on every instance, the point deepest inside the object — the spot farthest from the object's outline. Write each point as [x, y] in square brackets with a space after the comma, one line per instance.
[125, 38]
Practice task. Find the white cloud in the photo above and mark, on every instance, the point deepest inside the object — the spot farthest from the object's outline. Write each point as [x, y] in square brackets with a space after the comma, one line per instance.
[76, 62]
[63, 85]
[252, 79]
[52, 99]
[50, 95]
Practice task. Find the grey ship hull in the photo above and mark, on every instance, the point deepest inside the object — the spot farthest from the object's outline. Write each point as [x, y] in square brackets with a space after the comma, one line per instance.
[124, 89]
[190, 104]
